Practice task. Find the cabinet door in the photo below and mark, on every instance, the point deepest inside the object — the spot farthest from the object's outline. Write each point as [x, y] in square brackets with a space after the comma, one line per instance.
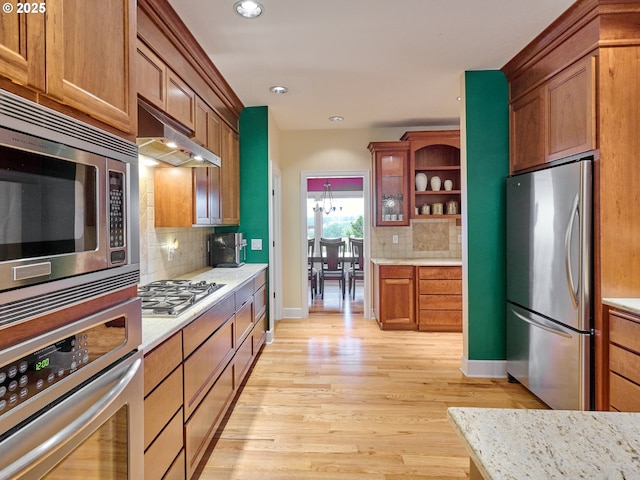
[200, 131]
[173, 196]
[571, 111]
[206, 188]
[181, 101]
[230, 173]
[215, 134]
[391, 170]
[397, 303]
[90, 50]
[22, 52]
[527, 131]
[151, 76]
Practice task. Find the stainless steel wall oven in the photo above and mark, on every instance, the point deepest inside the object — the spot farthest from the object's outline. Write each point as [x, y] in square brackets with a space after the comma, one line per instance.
[71, 380]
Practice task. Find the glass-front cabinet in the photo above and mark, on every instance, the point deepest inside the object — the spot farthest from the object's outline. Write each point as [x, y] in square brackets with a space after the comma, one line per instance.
[390, 172]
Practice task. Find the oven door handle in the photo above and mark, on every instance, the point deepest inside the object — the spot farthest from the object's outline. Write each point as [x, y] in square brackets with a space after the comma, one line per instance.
[20, 466]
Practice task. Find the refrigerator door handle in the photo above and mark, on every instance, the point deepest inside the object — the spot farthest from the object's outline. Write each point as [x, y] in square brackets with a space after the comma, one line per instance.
[540, 325]
[567, 244]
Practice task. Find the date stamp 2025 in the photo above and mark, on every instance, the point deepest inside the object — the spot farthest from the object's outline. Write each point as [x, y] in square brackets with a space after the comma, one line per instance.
[24, 7]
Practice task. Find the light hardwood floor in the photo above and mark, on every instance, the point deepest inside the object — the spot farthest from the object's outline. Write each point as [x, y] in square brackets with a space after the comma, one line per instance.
[335, 398]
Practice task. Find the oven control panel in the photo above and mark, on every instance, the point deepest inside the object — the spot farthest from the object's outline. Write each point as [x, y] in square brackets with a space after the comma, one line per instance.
[33, 373]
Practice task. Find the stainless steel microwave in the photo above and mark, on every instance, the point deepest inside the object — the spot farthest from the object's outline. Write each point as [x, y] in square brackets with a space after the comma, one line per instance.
[68, 196]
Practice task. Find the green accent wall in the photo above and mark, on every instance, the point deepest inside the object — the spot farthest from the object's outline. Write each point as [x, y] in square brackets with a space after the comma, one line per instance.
[487, 140]
[254, 180]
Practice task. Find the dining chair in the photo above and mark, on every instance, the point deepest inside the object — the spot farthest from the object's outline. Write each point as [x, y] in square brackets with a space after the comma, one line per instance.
[356, 271]
[332, 256]
[312, 272]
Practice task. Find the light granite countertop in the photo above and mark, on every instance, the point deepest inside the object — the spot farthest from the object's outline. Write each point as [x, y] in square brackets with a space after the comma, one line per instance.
[629, 304]
[156, 330]
[550, 444]
[422, 262]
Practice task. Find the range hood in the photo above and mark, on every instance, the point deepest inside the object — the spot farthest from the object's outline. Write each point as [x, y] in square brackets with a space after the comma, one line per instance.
[158, 140]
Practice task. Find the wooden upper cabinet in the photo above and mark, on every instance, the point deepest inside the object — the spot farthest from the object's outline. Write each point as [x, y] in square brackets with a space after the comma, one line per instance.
[181, 101]
[391, 173]
[215, 133]
[206, 188]
[90, 58]
[200, 131]
[22, 52]
[230, 177]
[571, 110]
[527, 131]
[151, 76]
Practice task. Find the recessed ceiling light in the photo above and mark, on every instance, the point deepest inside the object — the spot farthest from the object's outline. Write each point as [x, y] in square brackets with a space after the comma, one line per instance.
[279, 89]
[172, 145]
[336, 118]
[248, 8]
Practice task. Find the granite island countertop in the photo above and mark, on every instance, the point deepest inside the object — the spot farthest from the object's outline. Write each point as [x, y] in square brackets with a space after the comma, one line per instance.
[156, 330]
[421, 262]
[629, 304]
[550, 444]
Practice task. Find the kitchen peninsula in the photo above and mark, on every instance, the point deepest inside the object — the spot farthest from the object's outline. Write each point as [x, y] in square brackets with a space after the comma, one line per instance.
[548, 444]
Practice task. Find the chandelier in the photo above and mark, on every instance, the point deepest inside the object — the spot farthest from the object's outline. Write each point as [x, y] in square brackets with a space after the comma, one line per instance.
[327, 198]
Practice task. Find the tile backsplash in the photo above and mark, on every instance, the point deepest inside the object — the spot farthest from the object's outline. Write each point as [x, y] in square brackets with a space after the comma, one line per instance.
[191, 253]
[422, 239]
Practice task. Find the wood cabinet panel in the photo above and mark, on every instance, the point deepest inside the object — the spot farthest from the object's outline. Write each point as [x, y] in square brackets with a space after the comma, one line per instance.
[206, 188]
[425, 273]
[202, 327]
[202, 368]
[440, 302]
[624, 330]
[623, 395]
[527, 131]
[230, 174]
[243, 360]
[624, 363]
[440, 320]
[181, 101]
[160, 455]
[391, 178]
[161, 361]
[244, 322]
[22, 56]
[397, 303]
[80, 71]
[571, 111]
[396, 271]
[259, 333]
[199, 429]
[173, 197]
[244, 293]
[215, 134]
[201, 123]
[439, 287]
[151, 76]
[177, 470]
[161, 405]
[259, 302]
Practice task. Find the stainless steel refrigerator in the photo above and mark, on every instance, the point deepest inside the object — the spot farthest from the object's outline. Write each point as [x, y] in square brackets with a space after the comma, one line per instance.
[549, 283]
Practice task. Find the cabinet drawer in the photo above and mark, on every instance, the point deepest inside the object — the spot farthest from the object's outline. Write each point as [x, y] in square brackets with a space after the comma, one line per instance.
[176, 471]
[440, 302]
[440, 273]
[439, 287]
[200, 428]
[161, 361]
[202, 327]
[396, 271]
[624, 363]
[242, 360]
[243, 294]
[259, 333]
[161, 405]
[260, 280]
[205, 364]
[624, 395]
[624, 330]
[260, 302]
[160, 455]
[440, 320]
[244, 322]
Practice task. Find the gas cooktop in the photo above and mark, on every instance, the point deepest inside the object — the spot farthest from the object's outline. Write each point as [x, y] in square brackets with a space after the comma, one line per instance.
[173, 297]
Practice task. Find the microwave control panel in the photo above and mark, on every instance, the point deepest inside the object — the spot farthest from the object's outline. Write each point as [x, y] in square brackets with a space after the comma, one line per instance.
[116, 217]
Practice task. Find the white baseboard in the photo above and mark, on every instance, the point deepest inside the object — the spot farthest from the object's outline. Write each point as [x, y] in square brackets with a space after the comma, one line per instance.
[270, 336]
[484, 368]
[291, 313]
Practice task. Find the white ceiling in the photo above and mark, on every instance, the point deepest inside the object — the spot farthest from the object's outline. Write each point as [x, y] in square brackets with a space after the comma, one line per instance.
[377, 63]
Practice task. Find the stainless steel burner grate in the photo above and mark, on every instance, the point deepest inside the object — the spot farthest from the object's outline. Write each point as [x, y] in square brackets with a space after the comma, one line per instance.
[173, 297]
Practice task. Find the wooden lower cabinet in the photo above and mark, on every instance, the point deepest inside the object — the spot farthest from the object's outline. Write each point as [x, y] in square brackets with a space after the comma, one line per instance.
[192, 378]
[394, 297]
[440, 299]
[624, 361]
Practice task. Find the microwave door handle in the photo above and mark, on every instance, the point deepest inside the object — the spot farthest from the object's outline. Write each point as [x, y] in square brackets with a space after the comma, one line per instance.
[573, 289]
[43, 450]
